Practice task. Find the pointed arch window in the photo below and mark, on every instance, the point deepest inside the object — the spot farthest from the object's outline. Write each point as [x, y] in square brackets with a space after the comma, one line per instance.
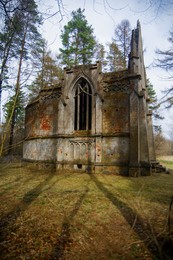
[83, 106]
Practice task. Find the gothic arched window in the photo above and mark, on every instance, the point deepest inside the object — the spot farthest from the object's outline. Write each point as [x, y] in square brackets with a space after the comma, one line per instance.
[83, 106]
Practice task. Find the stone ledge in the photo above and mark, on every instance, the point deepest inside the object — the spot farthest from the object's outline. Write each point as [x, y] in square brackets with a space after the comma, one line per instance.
[127, 134]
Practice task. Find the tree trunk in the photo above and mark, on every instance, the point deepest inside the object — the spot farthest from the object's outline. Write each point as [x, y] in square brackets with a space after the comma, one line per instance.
[3, 65]
[11, 122]
[12, 125]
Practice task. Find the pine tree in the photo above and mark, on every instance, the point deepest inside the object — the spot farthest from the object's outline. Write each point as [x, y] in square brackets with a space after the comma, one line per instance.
[78, 41]
[7, 49]
[17, 121]
[25, 40]
[154, 106]
[19, 109]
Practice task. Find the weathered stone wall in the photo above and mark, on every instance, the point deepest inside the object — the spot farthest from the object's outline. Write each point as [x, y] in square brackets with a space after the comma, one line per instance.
[115, 113]
[115, 150]
[121, 127]
[40, 149]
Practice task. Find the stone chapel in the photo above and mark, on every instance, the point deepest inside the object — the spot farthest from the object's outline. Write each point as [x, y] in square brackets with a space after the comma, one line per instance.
[94, 121]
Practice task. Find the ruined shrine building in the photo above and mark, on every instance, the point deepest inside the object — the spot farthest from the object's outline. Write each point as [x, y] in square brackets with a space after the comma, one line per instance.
[94, 121]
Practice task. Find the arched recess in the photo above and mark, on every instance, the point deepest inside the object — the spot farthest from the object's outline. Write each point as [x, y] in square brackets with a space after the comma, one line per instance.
[83, 99]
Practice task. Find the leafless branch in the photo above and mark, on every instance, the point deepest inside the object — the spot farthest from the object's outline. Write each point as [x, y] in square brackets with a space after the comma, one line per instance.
[60, 9]
[156, 6]
[106, 3]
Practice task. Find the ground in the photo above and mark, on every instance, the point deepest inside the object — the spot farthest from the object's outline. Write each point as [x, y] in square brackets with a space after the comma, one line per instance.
[84, 216]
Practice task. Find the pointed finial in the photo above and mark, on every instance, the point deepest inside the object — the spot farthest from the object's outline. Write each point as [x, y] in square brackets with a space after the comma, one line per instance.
[138, 24]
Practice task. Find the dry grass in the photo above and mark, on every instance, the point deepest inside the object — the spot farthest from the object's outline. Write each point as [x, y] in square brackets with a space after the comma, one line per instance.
[167, 161]
[83, 216]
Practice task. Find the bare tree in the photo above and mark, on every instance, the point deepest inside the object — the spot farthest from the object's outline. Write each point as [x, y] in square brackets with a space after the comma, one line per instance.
[122, 38]
[115, 58]
[165, 62]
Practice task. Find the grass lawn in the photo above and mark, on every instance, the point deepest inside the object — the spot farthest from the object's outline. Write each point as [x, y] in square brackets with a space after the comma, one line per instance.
[84, 216]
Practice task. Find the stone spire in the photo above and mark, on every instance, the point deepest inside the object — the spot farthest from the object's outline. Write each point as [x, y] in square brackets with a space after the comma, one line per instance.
[133, 45]
[138, 24]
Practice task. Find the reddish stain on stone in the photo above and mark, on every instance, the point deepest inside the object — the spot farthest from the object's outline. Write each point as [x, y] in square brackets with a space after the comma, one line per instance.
[45, 124]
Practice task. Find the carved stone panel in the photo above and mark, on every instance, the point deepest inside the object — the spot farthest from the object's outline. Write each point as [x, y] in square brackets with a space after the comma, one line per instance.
[118, 86]
[83, 150]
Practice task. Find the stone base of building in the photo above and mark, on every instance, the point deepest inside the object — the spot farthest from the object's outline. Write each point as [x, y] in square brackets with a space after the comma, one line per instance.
[75, 167]
[136, 171]
[53, 166]
[41, 165]
[112, 169]
[94, 168]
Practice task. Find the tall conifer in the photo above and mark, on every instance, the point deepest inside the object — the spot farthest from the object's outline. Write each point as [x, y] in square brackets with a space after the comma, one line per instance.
[78, 41]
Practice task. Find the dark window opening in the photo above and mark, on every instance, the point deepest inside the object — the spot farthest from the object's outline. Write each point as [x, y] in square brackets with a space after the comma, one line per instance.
[83, 106]
[79, 166]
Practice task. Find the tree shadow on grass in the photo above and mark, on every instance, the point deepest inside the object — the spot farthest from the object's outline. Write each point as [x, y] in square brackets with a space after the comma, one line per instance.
[143, 230]
[7, 222]
[64, 240]
[16, 180]
[8, 186]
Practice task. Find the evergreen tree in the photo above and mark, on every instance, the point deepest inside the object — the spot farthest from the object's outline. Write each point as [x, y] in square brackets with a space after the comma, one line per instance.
[154, 106]
[19, 109]
[8, 7]
[17, 120]
[25, 41]
[78, 41]
[7, 48]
